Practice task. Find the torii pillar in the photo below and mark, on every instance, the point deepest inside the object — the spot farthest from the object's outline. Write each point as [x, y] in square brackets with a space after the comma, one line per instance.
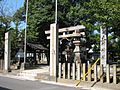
[53, 51]
[7, 50]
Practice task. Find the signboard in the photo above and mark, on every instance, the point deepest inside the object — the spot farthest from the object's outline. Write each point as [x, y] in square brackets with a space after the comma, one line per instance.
[103, 46]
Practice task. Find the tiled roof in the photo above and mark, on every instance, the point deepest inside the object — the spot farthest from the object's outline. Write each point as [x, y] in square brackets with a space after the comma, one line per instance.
[37, 46]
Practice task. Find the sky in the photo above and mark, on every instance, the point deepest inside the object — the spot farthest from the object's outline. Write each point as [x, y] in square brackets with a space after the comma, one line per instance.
[11, 6]
[16, 4]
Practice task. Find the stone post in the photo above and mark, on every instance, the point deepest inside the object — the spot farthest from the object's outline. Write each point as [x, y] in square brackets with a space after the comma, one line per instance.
[69, 73]
[7, 52]
[73, 71]
[84, 71]
[53, 50]
[78, 71]
[95, 73]
[60, 69]
[108, 73]
[1, 64]
[101, 73]
[114, 74]
[64, 70]
[89, 74]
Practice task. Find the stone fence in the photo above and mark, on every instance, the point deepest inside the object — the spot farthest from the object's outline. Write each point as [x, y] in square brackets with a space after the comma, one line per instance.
[75, 71]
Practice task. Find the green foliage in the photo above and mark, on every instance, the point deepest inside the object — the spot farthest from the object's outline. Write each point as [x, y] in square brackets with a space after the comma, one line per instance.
[91, 13]
[41, 15]
[97, 12]
[103, 11]
[19, 16]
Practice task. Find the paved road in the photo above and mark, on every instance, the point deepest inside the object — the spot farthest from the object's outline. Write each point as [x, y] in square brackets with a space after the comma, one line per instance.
[15, 84]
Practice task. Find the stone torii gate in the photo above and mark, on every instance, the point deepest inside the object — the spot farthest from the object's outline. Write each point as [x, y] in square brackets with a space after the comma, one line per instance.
[77, 32]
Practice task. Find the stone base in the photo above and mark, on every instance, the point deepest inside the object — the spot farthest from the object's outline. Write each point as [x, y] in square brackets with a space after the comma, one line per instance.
[6, 71]
[52, 78]
[1, 71]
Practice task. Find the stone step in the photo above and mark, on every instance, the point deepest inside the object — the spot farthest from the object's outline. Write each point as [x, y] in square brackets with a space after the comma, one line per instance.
[34, 73]
[27, 74]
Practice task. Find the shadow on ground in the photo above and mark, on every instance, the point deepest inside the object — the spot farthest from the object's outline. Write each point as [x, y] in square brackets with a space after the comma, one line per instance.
[3, 88]
[38, 66]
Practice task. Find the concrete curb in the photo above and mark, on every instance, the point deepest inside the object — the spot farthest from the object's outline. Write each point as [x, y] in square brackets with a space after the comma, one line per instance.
[83, 85]
[63, 84]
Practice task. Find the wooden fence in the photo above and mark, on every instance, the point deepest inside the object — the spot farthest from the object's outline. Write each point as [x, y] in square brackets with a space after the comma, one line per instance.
[77, 71]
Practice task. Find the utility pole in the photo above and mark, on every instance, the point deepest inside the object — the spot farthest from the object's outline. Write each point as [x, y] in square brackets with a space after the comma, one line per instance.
[56, 11]
[25, 39]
